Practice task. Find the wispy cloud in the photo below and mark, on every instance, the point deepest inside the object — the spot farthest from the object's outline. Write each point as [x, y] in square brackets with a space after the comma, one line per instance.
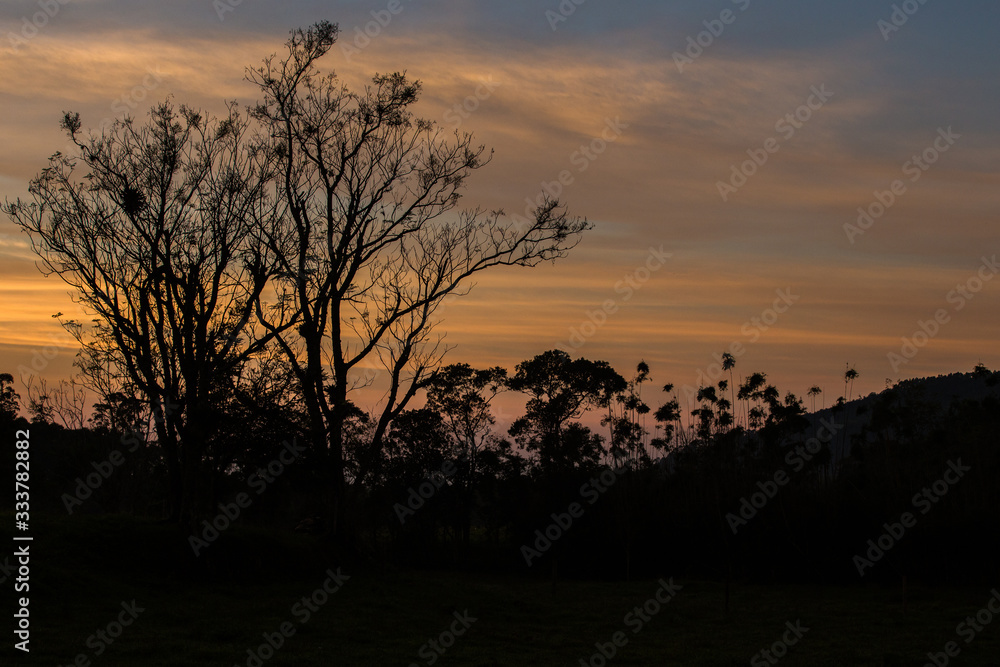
[656, 183]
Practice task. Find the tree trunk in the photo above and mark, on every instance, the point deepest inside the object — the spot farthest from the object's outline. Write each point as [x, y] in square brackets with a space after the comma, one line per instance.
[168, 443]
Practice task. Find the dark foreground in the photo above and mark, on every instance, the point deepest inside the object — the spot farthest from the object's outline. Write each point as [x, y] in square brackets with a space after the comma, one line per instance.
[88, 575]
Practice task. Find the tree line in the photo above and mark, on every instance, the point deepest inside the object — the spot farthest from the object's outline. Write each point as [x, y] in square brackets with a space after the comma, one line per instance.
[685, 493]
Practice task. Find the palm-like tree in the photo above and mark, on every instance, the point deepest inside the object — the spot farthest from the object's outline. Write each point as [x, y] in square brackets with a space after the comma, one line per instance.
[728, 363]
[669, 414]
[707, 401]
[752, 389]
[628, 436]
[850, 375]
[814, 391]
[725, 417]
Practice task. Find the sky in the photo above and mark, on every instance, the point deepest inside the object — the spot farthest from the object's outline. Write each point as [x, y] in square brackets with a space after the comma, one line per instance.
[806, 185]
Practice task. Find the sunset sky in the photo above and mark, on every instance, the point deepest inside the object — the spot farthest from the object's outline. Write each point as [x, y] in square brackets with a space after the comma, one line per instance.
[834, 100]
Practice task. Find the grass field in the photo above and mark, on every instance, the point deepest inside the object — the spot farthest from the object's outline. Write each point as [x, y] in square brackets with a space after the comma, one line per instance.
[84, 568]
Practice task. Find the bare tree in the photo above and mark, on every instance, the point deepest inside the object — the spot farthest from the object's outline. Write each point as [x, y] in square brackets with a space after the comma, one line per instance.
[65, 403]
[161, 241]
[374, 241]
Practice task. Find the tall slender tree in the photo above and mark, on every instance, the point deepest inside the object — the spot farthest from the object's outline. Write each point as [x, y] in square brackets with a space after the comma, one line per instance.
[669, 415]
[813, 392]
[850, 375]
[728, 364]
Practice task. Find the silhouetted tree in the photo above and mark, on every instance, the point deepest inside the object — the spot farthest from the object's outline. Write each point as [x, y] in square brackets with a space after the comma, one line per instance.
[118, 413]
[560, 389]
[627, 445]
[63, 404]
[415, 448]
[753, 389]
[850, 375]
[814, 391]
[462, 396]
[669, 415]
[370, 250]
[724, 418]
[707, 400]
[10, 401]
[417, 445]
[161, 240]
[728, 364]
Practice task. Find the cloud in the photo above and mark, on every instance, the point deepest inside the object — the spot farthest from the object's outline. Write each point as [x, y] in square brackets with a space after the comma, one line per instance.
[552, 94]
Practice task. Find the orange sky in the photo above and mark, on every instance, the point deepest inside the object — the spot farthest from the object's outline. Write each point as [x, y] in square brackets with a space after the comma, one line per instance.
[655, 185]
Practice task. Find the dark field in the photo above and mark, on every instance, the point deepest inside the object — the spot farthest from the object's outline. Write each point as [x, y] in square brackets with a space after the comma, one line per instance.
[84, 569]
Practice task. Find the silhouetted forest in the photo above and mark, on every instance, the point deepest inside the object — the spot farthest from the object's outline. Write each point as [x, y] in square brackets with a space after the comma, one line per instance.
[751, 487]
[239, 277]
